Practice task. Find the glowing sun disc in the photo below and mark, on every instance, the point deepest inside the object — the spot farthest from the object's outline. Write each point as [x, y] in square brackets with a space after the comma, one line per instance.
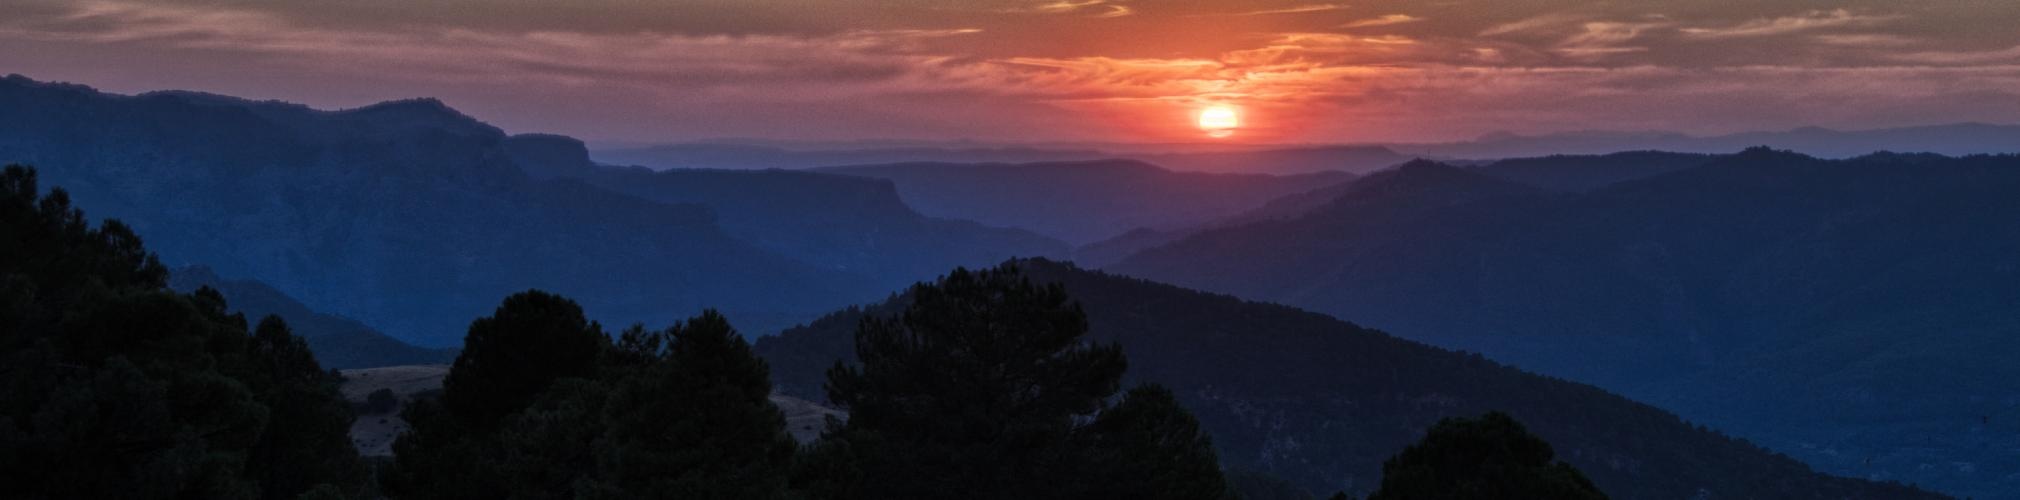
[1218, 121]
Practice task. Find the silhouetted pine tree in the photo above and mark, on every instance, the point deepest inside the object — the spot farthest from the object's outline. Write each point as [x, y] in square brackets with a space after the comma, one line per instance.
[980, 390]
[1488, 457]
[533, 339]
[1149, 446]
[307, 441]
[111, 386]
[455, 448]
[680, 413]
[699, 422]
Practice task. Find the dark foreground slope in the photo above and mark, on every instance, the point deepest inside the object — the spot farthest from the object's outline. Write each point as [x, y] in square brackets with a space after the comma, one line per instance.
[1322, 402]
[406, 215]
[1856, 313]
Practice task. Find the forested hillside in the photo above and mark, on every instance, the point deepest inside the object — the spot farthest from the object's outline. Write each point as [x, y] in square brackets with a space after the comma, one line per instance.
[1323, 402]
[1846, 311]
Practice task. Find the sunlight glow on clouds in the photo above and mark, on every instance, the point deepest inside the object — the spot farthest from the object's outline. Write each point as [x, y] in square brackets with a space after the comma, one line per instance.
[1081, 70]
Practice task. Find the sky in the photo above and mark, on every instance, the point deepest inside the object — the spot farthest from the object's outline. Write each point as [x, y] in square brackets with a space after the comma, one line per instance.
[1016, 71]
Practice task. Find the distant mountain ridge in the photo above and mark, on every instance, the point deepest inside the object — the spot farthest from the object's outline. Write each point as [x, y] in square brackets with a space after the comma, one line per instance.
[840, 222]
[760, 157]
[1274, 160]
[1844, 311]
[1083, 201]
[1950, 139]
[408, 216]
[1323, 402]
[339, 343]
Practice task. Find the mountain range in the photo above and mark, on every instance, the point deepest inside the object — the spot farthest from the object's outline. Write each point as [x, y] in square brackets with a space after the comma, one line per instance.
[1321, 402]
[339, 343]
[1949, 139]
[407, 215]
[1954, 139]
[1850, 312]
[844, 223]
[1855, 313]
[1084, 201]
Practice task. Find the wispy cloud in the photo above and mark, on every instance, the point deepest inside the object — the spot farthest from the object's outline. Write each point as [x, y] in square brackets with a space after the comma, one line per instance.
[1386, 20]
[1065, 6]
[1115, 11]
[1538, 23]
[1864, 40]
[855, 61]
[1295, 10]
[1095, 8]
[2010, 55]
[1812, 20]
[1599, 39]
[1314, 77]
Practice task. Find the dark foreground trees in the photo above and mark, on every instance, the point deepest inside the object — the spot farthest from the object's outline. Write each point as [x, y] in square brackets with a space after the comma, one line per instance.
[541, 404]
[112, 386]
[1488, 457]
[983, 388]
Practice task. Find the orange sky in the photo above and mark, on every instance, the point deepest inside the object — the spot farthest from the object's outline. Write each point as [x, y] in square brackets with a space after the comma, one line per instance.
[1073, 70]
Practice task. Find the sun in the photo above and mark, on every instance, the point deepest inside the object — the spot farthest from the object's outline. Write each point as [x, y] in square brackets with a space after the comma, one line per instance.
[1219, 121]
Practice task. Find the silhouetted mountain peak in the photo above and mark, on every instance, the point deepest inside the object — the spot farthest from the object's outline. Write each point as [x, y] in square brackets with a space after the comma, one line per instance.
[1891, 157]
[545, 156]
[18, 80]
[423, 112]
[1768, 153]
[1420, 164]
[1424, 175]
[1109, 165]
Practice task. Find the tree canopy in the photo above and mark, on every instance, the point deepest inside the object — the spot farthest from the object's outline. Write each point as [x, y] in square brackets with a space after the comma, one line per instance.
[548, 407]
[1492, 456]
[112, 386]
[983, 388]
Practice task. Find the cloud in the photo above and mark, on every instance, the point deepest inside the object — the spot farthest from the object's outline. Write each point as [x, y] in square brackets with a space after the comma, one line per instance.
[2010, 55]
[1598, 39]
[1295, 10]
[1386, 20]
[1115, 11]
[849, 62]
[1865, 40]
[1107, 8]
[939, 73]
[1065, 6]
[1812, 20]
[1533, 24]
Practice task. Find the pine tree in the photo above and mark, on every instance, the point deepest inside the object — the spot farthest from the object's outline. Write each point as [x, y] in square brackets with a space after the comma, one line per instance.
[1149, 446]
[974, 392]
[306, 442]
[1488, 457]
[455, 448]
[533, 339]
[112, 386]
[700, 422]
